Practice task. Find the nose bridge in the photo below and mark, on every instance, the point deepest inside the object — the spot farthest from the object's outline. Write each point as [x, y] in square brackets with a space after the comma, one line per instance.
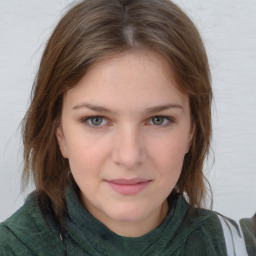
[128, 147]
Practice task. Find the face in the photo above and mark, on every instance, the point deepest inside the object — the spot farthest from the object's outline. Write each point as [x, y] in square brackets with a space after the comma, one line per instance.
[125, 129]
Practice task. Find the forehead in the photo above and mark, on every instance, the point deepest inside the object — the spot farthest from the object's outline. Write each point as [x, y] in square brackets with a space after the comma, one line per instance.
[137, 78]
[147, 60]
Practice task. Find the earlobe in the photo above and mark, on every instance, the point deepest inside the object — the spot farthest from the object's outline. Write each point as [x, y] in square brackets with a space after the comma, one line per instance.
[61, 141]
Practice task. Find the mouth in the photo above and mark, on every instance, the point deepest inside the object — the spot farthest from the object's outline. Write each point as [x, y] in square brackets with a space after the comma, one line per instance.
[128, 186]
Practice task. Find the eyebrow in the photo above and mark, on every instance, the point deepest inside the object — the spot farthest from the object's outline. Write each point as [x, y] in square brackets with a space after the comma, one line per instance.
[147, 111]
[92, 107]
[163, 107]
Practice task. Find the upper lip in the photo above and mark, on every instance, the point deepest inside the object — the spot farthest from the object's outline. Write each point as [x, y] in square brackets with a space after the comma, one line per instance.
[128, 181]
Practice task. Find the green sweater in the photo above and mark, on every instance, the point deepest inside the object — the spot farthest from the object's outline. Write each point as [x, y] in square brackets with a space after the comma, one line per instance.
[29, 232]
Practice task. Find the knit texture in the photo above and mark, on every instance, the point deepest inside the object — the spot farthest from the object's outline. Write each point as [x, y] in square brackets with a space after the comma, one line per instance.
[182, 233]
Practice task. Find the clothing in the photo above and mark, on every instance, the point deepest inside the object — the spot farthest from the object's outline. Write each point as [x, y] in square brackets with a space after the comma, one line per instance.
[248, 226]
[182, 233]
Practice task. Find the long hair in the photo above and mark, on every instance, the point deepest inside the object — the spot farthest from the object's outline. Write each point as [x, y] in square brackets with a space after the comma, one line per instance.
[95, 29]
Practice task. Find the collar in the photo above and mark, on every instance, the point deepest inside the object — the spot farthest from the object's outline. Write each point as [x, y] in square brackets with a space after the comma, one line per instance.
[98, 239]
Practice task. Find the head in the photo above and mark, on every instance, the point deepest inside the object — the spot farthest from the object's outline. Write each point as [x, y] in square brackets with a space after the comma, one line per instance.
[94, 31]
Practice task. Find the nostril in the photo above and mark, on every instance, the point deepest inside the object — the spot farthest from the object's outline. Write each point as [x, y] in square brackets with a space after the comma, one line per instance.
[128, 156]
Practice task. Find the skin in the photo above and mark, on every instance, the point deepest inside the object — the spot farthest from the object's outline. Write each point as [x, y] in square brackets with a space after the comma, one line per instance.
[142, 130]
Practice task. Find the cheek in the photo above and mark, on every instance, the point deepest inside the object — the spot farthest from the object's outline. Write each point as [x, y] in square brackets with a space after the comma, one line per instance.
[86, 156]
[84, 166]
[169, 155]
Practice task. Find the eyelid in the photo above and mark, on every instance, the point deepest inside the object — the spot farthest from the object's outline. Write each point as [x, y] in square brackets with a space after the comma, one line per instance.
[88, 118]
[168, 120]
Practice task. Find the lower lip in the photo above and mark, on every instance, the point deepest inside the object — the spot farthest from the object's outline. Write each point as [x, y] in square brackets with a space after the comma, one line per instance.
[128, 189]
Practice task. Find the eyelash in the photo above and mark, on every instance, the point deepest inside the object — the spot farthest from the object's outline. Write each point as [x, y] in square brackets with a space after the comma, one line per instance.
[88, 121]
[167, 121]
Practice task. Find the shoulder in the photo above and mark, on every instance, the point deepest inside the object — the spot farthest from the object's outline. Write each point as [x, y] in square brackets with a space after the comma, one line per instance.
[215, 232]
[22, 217]
[204, 220]
[204, 235]
[17, 229]
[248, 226]
[27, 230]
[199, 232]
[10, 244]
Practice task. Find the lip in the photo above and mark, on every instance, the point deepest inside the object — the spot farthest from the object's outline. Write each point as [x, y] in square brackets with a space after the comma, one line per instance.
[128, 186]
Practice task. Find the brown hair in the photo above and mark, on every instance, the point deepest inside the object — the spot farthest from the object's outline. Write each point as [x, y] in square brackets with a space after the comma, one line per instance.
[95, 29]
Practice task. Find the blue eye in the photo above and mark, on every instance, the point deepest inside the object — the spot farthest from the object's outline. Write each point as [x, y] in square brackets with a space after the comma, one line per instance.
[159, 120]
[96, 121]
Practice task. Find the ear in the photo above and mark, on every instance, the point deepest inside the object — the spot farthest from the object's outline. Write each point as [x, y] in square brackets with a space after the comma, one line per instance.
[191, 135]
[61, 142]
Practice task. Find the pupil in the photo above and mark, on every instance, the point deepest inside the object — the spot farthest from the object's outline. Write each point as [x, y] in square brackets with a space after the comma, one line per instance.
[158, 120]
[96, 120]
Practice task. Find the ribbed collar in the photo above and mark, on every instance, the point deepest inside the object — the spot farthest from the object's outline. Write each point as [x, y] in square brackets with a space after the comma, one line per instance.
[97, 239]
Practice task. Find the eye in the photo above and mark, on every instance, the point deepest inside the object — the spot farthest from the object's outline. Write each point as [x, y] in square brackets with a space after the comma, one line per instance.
[160, 120]
[95, 121]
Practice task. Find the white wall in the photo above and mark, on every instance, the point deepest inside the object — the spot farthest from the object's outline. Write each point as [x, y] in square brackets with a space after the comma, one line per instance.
[229, 32]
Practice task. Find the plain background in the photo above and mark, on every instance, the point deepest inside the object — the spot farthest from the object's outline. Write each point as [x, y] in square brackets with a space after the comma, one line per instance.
[228, 29]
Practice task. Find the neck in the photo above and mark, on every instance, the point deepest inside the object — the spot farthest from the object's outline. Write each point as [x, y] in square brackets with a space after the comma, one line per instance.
[135, 228]
[140, 228]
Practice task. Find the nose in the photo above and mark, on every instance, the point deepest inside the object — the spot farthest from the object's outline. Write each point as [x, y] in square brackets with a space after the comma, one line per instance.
[128, 148]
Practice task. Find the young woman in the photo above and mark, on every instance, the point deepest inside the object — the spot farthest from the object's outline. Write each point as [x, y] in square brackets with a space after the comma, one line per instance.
[116, 136]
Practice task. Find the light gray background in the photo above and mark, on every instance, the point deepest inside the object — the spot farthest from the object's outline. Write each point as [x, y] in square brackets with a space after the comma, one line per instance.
[228, 28]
